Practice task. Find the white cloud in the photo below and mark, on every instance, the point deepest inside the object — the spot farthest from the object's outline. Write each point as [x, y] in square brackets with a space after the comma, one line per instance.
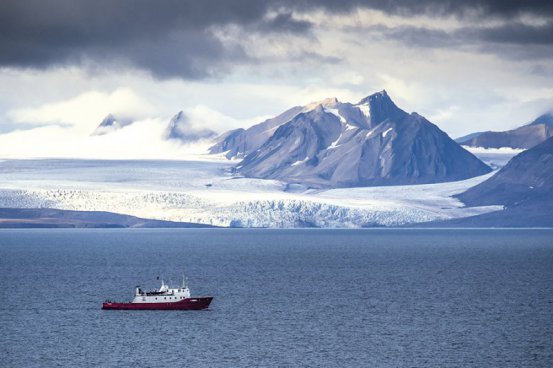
[202, 117]
[460, 90]
[86, 110]
[141, 140]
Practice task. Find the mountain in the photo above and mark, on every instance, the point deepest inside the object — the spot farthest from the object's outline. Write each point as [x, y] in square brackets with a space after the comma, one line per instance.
[335, 144]
[238, 143]
[524, 187]
[545, 119]
[528, 177]
[110, 124]
[179, 128]
[467, 137]
[526, 136]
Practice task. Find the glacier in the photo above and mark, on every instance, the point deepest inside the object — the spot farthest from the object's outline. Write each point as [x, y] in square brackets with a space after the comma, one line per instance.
[207, 192]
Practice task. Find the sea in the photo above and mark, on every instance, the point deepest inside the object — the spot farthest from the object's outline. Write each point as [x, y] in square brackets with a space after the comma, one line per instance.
[282, 298]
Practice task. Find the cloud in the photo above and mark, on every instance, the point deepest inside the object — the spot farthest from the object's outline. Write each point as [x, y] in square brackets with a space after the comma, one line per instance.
[518, 33]
[178, 38]
[284, 23]
[141, 140]
[461, 9]
[86, 110]
[203, 117]
[514, 40]
[169, 38]
[63, 67]
[413, 36]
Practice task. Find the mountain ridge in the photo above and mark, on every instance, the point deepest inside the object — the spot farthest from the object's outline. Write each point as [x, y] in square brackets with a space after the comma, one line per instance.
[110, 124]
[524, 187]
[525, 136]
[180, 129]
[527, 177]
[335, 144]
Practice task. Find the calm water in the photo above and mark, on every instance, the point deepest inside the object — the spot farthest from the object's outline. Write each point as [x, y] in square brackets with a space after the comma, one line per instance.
[372, 298]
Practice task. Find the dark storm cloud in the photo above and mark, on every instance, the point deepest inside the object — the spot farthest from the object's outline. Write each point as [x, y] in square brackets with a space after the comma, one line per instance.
[510, 41]
[458, 8]
[167, 38]
[175, 37]
[284, 23]
[413, 36]
[518, 33]
[510, 32]
[513, 33]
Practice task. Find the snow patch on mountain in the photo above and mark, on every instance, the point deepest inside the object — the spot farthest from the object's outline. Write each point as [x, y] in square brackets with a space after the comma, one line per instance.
[299, 162]
[365, 109]
[181, 129]
[348, 147]
[336, 113]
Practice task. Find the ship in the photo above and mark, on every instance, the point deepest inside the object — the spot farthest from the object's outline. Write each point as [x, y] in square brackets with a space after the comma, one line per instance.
[164, 298]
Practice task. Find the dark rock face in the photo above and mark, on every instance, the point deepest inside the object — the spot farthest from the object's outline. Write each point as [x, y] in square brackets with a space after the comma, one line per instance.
[545, 119]
[179, 128]
[298, 141]
[518, 216]
[527, 178]
[241, 142]
[110, 124]
[381, 108]
[233, 141]
[334, 144]
[108, 121]
[467, 137]
[524, 187]
[526, 136]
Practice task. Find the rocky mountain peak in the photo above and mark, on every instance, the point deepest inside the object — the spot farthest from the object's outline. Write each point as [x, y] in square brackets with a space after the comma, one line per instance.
[379, 107]
[341, 145]
[545, 119]
[110, 124]
[327, 102]
[109, 120]
[180, 128]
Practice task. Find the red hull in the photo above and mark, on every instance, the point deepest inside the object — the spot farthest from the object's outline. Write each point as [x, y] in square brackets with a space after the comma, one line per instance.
[185, 304]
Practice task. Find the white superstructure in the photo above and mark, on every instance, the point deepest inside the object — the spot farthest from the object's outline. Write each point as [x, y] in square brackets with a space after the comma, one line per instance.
[164, 294]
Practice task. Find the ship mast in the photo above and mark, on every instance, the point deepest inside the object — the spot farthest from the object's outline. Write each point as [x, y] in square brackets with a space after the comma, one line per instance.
[184, 283]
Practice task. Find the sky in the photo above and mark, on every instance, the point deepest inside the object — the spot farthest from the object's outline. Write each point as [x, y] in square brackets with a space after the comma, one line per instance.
[467, 66]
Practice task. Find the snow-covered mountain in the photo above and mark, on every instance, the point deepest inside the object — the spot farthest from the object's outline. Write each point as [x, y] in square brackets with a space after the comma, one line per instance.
[524, 187]
[110, 124]
[240, 142]
[526, 136]
[181, 129]
[527, 177]
[335, 144]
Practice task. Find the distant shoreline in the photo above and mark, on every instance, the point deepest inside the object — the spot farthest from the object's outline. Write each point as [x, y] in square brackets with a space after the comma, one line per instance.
[49, 218]
[26, 218]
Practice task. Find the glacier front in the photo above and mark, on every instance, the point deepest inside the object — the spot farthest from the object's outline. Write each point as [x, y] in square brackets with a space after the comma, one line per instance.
[207, 192]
